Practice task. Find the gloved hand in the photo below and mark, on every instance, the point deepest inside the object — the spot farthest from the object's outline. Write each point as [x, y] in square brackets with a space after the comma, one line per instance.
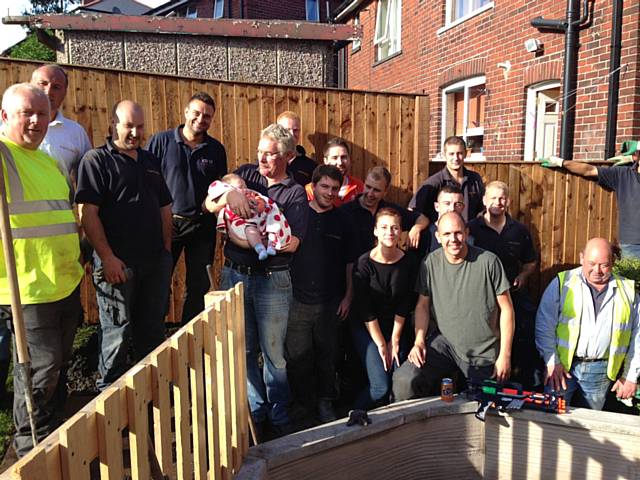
[551, 162]
[621, 160]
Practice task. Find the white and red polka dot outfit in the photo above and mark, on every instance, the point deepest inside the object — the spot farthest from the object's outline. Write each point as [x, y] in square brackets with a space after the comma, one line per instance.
[270, 222]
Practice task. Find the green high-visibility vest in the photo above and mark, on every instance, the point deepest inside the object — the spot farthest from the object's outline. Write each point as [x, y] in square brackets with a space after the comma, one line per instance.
[43, 226]
[568, 328]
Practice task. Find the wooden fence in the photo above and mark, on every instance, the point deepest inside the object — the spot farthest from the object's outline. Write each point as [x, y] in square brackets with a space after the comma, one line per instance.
[188, 398]
[383, 128]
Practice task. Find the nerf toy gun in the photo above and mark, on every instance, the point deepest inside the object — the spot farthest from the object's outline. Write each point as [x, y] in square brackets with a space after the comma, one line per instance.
[510, 396]
[629, 153]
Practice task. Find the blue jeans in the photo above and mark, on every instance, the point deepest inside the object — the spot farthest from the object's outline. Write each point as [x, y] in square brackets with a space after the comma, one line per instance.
[630, 250]
[380, 381]
[130, 313]
[266, 310]
[589, 380]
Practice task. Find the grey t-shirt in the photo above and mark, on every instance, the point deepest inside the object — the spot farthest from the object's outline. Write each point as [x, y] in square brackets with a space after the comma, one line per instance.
[625, 181]
[463, 301]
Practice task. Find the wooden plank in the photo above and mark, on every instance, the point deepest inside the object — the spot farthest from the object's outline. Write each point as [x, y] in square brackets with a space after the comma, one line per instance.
[394, 148]
[307, 122]
[211, 393]
[405, 160]
[236, 350]
[514, 191]
[142, 96]
[358, 167]
[127, 87]
[216, 125]
[371, 130]
[109, 434]
[31, 466]
[293, 99]
[173, 108]
[267, 105]
[73, 438]
[254, 120]
[558, 220]
[382, 129]
[196, 376]
[227, 111]
[281, 101]
[83, 93]
[224, 400]
[333, 114]
[181, 404]
[321, 125]
[570, 253]
[161, 375]
[421, 158]
[346, 112]
[243, 136]
[157, 119]
[138, 384]
[241, 369]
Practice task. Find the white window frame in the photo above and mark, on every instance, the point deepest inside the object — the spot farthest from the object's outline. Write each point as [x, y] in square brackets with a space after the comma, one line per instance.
[388, 31]
[357, 43]
[192, 12]
[450, 22]
[312, 10]
[531, 116]
[465, 85]
[218, 9]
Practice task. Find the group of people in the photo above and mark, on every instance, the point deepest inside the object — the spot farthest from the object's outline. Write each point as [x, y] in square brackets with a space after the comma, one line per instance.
[338, 280]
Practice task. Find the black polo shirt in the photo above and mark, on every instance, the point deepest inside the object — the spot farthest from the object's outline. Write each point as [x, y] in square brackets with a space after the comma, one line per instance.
[513, 245]
[129, 194]
[625, 181]
[363, 222]
[318, 267]
[472, 189]
[301, 168]
[292, 201]
[188, 172]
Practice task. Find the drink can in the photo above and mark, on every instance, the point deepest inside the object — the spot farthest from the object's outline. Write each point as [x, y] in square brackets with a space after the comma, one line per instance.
[446, 390]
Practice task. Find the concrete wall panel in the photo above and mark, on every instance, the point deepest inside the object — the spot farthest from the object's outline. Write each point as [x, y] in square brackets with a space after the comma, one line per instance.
[301, 64]
[251, 61]
[150, 53]
[204, 57]
[95, 49]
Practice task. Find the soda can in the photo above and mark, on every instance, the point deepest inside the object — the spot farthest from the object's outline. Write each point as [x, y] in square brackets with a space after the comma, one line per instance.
[446, 390]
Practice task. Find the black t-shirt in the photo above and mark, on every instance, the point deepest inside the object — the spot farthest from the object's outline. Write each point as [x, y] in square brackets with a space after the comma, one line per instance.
[625, 181]
[292, 201]
[129, 194]
[319, 266]
[301, 168]
[472, 189]
[513, 245]
[363, 222]
[188, 172]
[382, 291]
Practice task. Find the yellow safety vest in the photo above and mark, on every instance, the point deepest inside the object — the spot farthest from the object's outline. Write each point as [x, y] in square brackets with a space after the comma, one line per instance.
[45, 234]
[568, 328]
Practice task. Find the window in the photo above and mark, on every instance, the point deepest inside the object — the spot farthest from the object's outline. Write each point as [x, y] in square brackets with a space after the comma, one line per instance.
[313, 10]
[388, 28]
[355, 46]
[218, 8]
[460, 10]
[192, 12]
[543, 114]
[463, 106]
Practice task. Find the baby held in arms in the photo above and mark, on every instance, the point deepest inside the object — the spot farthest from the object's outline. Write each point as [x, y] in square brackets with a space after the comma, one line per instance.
[266, 231]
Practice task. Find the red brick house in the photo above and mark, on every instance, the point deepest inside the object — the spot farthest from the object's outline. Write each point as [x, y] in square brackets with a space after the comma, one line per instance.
[485, 84]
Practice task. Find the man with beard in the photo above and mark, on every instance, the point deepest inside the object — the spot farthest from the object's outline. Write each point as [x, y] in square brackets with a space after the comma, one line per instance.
[190, 160]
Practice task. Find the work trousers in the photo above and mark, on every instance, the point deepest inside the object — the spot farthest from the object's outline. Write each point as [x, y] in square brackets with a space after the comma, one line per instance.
[197, 238]
[49, 329]
[131, 314]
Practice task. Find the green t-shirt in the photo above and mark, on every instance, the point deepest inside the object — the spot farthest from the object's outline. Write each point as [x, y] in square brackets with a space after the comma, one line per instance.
[463, 301]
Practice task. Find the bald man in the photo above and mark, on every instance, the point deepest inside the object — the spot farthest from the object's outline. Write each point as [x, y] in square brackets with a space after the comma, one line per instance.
[587, 330]
[46, 243]
[125, 209]
[466, 291]
[66, 141]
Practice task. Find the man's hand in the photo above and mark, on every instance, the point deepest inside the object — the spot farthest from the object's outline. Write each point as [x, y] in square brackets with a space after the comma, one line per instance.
[551, 162]
[418, 354]
[624, 388]
[385, 355]
[502, 369]
[556, 376]
[238, 204]
[113, 269]
[394, 351]
[414, 236]
[343, 308]
[519, 282]
[621, 160]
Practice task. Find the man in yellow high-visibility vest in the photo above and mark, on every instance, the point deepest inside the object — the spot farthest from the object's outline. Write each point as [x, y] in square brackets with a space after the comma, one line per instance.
[587, 330]
[47, 252]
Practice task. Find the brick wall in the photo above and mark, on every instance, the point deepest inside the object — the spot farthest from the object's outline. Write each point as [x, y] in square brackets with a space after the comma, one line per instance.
[430, 61]
[277, 9]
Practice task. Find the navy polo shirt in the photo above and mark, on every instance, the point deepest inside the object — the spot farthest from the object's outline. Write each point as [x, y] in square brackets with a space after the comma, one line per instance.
[292, 201]
[301, 168]
[188, 172]
[363, 222]
[319, 265]
[129, 194]
[513, 245]
[625, 181]
[472, 189]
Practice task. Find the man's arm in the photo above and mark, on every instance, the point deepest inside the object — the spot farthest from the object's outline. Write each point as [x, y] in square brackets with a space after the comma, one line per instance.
[578, 168]
[625, 386]
[167, 226]
[113, 267]
[421, 223]
[503, 362]
[418, 354]
[523, 277]
[345, 303]
[236, 201]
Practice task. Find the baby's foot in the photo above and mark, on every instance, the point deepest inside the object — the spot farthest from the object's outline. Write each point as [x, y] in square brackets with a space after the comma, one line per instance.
[271, 251]
[261, 251]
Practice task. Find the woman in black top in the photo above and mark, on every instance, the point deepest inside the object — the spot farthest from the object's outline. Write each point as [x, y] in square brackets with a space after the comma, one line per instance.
[383, 281]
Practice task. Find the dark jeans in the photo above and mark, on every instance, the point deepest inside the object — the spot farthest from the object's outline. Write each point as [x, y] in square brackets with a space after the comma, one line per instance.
[311, 348]
[50, 329]
[527, 366]
[410, 381]
[377, 392]
[197, 238]
[133, 310]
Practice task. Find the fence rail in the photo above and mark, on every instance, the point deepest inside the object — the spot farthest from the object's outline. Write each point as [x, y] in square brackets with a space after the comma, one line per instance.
[188, 397]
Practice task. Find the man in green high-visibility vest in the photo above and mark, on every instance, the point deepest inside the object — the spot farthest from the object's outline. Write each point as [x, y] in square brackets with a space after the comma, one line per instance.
[587, 330]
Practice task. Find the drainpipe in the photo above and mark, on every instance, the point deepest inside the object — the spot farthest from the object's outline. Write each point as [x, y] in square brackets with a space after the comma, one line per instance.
[614, 80]
[571, 28]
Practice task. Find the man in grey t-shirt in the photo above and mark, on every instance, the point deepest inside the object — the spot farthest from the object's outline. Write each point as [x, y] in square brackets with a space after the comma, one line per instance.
[466, 291]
